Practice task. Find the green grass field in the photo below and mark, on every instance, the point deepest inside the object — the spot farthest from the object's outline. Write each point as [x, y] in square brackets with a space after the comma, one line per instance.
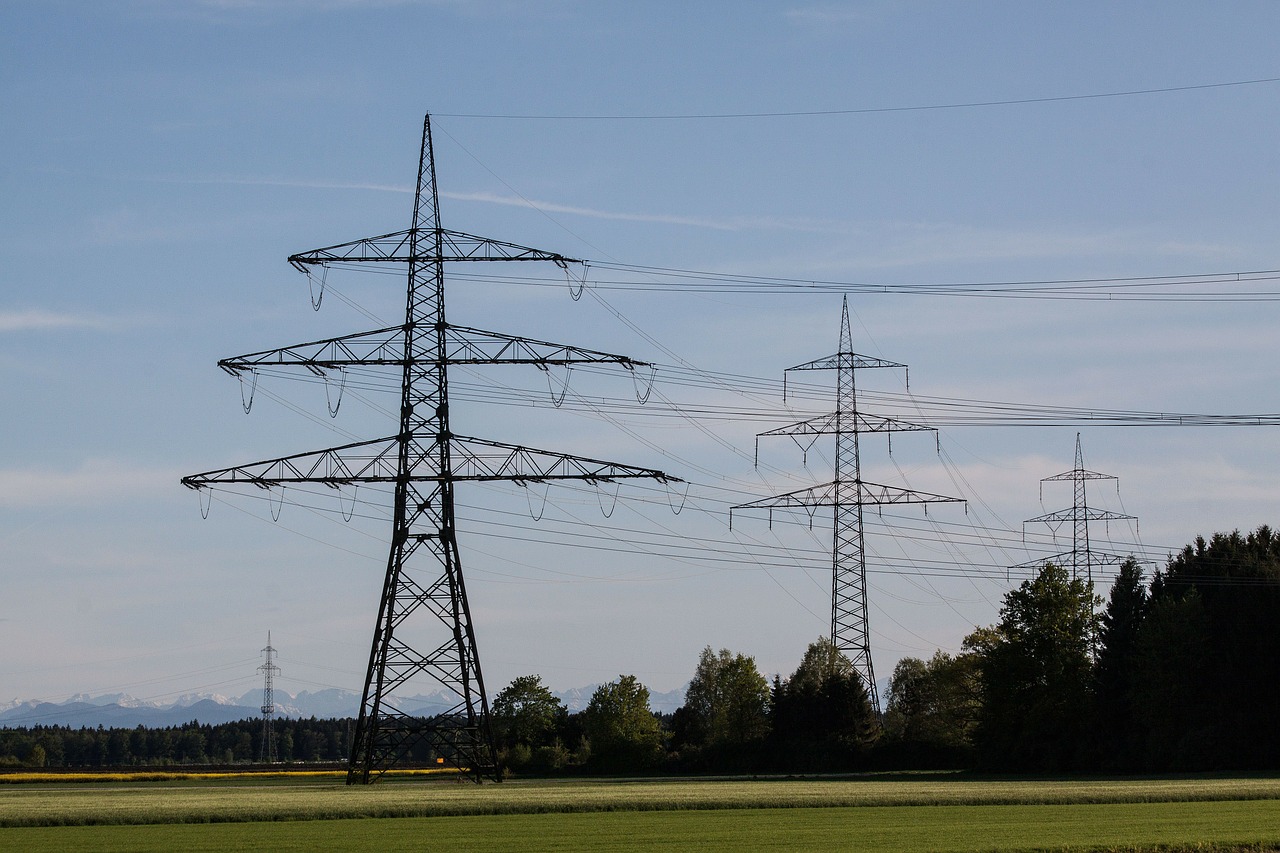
[886, 812]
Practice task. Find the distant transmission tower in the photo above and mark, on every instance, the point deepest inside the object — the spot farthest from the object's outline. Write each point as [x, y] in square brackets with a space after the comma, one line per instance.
[1082, 557]
[424, 635]
[847, 494]
[269, 671]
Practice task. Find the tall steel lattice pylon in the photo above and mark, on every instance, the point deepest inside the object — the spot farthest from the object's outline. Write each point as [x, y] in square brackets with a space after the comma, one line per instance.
[269, 672]
[424, 633]
[1082, 557]
[846, 495]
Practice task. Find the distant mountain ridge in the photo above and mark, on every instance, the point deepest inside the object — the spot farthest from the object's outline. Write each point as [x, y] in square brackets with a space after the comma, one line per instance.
[120, 710]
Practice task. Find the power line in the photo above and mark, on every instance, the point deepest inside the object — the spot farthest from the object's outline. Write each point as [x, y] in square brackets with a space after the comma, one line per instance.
[1212, 287]
[958, 105]
[939, 411]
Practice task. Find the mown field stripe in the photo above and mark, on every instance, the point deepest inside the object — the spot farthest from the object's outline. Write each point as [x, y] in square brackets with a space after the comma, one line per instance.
[961, 829]
[240, 800]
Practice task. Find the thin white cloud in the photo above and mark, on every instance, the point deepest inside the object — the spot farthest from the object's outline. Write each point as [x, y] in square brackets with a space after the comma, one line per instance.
[302, 5]
[93, 481]
[882, 245]
[730, 223]
[733, 223]
[309, 185]
[948, 242]
[240, 11]
[283, 182]
[727, 223]
[38, 319]
[869, 246]
[593, 213]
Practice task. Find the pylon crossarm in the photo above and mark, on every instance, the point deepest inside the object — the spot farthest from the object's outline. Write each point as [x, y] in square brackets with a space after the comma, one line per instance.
[468, 247]
[1065, 558]
[476, 346]
[1078, 474]
[397, 247]
[814, 496]
[377, 461]
[845, 359]
[362, 462]
[480, 459]
[874, 493]
[384, 247]
[876, 423]
[380, 346]
[827, 425]
[1079, 514]
[866, 493]
[386, 347]
[821, 425]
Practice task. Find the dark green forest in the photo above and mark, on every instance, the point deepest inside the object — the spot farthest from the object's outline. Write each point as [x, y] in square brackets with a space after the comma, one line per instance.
[190, 744]
[1176, 672]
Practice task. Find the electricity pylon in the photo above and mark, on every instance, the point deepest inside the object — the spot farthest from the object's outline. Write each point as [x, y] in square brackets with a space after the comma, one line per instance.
[269, 672]
[1082, 557]
[846, 495]
[424, 629]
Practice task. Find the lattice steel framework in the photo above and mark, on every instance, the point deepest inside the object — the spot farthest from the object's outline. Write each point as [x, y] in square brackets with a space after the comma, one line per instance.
[1082, 557]
[846, 495]
[424, 630]
[269, 672]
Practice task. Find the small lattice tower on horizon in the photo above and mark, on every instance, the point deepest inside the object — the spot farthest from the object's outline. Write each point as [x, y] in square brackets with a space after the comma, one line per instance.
[269, 671]
[1083, 557]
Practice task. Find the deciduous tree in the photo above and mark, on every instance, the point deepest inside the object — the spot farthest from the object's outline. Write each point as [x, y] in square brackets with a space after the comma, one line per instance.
[1036, 671]
[727, 700]
[934, 704]
[526, 712]
[622, 731]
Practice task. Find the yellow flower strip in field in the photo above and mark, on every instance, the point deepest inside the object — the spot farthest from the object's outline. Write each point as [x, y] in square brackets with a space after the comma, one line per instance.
[179, 775]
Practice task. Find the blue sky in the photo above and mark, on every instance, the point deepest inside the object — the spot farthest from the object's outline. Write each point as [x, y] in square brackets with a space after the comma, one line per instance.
[162, 159]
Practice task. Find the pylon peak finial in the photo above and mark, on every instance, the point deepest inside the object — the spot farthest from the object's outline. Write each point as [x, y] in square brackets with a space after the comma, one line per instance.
[846, 337]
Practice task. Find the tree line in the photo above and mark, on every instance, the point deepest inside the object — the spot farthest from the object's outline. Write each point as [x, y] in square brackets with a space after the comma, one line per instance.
[733, 720]
[192, 743]
[1179, 672]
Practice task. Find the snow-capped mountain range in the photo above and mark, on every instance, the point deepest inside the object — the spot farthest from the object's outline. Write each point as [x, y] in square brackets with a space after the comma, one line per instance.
[120, 710]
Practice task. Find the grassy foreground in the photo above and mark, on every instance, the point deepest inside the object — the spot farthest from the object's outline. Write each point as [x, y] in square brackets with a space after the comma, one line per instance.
[1211, 826]
[897, 812]
[289, 797]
